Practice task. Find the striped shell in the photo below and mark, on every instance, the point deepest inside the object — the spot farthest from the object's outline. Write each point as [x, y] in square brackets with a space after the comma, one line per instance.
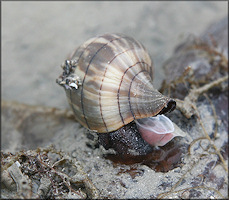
[108, 83]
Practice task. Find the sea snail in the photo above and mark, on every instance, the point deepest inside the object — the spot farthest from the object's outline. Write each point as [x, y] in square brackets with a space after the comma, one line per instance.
[108, 83]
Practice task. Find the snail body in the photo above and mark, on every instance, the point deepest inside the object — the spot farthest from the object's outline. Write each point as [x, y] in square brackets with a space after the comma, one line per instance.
[108, 83]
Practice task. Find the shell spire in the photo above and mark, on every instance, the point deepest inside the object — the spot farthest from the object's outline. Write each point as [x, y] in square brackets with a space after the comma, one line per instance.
[108, 83]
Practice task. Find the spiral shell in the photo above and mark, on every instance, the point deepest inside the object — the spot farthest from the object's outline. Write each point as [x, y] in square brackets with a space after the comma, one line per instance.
[108, 83]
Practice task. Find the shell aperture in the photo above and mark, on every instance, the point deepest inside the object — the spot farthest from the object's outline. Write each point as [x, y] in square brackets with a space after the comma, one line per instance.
[157, 131]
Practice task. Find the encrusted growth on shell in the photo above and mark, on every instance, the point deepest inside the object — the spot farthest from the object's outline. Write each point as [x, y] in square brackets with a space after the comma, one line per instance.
[69, 79]
[108, 83]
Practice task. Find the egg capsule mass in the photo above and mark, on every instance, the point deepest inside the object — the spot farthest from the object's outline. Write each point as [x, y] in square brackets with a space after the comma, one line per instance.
[108, 83]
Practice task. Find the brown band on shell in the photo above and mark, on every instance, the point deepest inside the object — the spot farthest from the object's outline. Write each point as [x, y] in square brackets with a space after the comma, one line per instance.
[82, 93]
[74, 54]
[100, 105]
[109, 63]
[119, 54]
[80, 49]
[83, 49]
[102, 86]
[130, 89]
[118, 94]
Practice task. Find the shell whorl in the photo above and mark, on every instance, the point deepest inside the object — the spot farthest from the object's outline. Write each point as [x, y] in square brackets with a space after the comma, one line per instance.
[113, 84]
